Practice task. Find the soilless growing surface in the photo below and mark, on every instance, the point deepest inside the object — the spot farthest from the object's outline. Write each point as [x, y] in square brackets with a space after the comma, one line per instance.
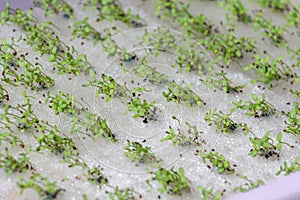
[148, 99]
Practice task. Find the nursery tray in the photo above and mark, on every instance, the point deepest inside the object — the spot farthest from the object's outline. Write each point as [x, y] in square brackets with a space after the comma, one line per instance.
[111, 157]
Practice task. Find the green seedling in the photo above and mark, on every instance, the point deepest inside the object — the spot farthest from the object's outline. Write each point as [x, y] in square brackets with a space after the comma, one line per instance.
[17, 70]
[221, 82]
[127, 57]
[189, 60]
[179, 93]
[11, 165]
[257, 107]
[295, 54]
[93, 126]
[293, 17]
[10, 138]
[112, 11]
[266, 147]
[249, 185]
[5, 14]
[223, 122]
[275, 33]
[277, 5]
[18, 17]
[38, 35]
[83, 29]
[44, 40]
[45, 188]
[141, 108]
[57, 144]
[91, 3]
[25, 121]
[174, 182]
[177, 138]
[96, 176]
[217, 160]
[23, 118]
[296, 93]
[159, 39]
[62, 146]
[64, 102]
[84, 197]
[183, 138]
[270, 71]
[190, 56]
[4, 96]
[138, 90]
[109, 87]
[54, 7]
[237, 9]
[67, 63]
[34, 77]
[8, 55]
[293, 123]
[294, 167]
[227, 47]
[151, 74]
[177, 12]
[140, 155]
[118, 194]
[209, 193]
[111, 47]
[8, 120]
